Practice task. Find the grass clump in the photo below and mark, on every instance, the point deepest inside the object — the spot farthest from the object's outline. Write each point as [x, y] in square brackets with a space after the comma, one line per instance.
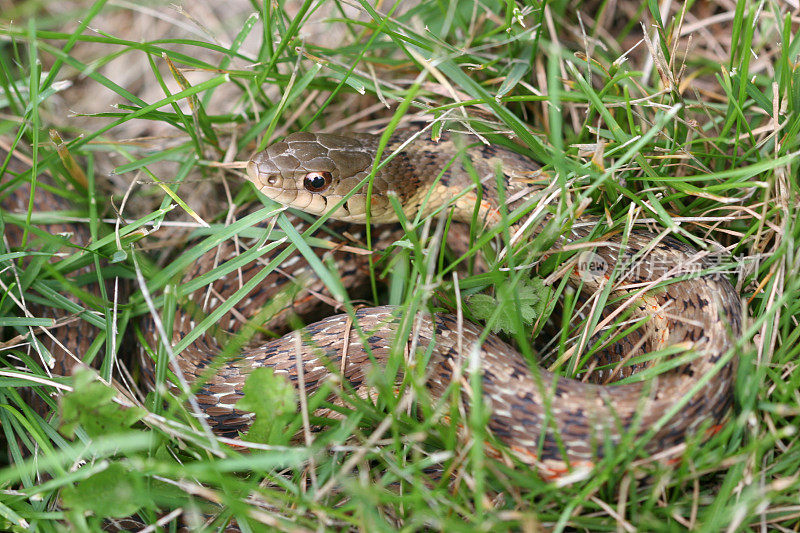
[684, 121]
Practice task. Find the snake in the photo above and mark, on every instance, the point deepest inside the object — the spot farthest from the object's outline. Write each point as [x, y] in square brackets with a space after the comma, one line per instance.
[553, 423]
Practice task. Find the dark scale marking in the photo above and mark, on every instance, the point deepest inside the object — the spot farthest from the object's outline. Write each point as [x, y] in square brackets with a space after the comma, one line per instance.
[488, 151]
[488, 188]
[501, 431]
[447, 176]
[517, 373]
[528, 397]
[673, 244]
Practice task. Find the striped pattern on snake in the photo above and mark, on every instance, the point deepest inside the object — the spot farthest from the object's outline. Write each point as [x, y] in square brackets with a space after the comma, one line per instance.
[555, 424]
[551, 422]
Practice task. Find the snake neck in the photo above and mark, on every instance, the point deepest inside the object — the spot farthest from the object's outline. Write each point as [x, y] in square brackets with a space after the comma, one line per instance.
[457, 172]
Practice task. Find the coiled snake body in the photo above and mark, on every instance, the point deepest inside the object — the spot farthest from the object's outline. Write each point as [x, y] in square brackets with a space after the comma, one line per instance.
[551, 422]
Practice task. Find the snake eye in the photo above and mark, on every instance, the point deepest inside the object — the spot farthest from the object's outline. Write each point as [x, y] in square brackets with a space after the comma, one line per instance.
[317, 181]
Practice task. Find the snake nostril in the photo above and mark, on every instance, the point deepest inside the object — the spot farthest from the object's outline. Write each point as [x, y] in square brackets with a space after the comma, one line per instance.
[259, 176]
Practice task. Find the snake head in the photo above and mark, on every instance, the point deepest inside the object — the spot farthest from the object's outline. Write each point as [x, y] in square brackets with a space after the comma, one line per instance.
[313, 172]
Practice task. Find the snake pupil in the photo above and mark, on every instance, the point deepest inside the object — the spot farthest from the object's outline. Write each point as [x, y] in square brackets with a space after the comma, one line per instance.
[317, 181]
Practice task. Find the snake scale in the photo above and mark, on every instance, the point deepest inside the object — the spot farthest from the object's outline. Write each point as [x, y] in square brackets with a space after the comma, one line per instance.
[553, 423]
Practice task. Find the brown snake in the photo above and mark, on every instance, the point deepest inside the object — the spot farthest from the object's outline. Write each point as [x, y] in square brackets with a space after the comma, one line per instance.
[551, 422]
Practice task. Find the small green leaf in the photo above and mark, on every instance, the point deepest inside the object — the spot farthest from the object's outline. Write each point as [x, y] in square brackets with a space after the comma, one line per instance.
[753, 92]
[91, 406]
[404, 243]
[119, 256]
[512, 78]
[274, 402]
[115, 492]
[532, 296]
